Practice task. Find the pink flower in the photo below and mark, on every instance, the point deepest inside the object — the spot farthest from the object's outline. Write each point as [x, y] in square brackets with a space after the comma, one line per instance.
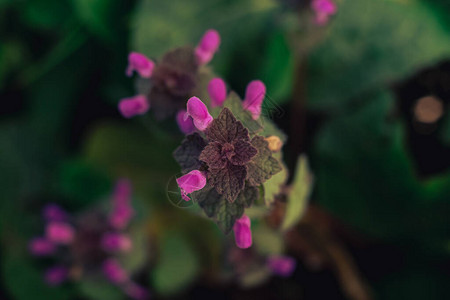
[113, 241]
[41, 246]
[53, 212]
[114, 271]
[56, 275]
[141, 64]
[60, 232]
[199, 113]
[281, 265]
[191, 182]
[242, 232]
[207, 47]
[132, 106]
[217, 91]
[185, 122]
[323, 10]
[254, 97]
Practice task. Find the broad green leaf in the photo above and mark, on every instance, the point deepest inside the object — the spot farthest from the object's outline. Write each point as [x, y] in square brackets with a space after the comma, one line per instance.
[297, 198]
[177, 266]
[370, 44]
[364, 173]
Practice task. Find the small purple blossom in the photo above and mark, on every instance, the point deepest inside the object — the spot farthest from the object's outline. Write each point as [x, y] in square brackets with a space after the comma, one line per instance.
[141, 64]
[217, 90]
[60, 232]
[323, 10]
[254, 97]
[56, 275]
[281, 265]
[114, 242]
[114, 271]
[40, 246]
[185, 122]
[199, 113]
[122, 211]
[242, 232]
[208, 45]
[132, 106]
[191, 182]
[53, 212]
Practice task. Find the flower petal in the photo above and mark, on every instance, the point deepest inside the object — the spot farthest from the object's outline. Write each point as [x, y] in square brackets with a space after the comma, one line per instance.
[207, 47]
[217, 90]
[185, 122]
[281, 265]
[254, 97]
[242, 232]
[141, 64]
[199, 113]
[40, 246]
[132, 106]
[191, 182]
[114, 271]
[60, 232]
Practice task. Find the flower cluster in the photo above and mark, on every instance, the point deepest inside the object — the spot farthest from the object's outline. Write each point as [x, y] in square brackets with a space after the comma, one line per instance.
[227, 159]
[90, 243]
[165, 85]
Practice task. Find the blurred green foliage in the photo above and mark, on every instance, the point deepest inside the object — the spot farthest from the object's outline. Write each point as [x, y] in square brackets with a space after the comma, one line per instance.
[64, 62]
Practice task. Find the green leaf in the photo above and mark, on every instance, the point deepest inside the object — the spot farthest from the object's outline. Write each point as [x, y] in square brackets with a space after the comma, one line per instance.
[234, 103]
[364, 173]
[263, 165]
[267, 240]
[273, 185]
[370, 44]
[188, 152]
[297, 198]
[177, 267]
[82, 182]
[220, 209]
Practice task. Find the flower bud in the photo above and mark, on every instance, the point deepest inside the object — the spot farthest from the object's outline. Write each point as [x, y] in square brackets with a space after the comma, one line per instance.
[60, 232]
[217, 90]
[254, 97]
[199, 113]
[132, 106]
[242, 232]
[185, 124]
[141, 64]
[207, 47]
[281, 265]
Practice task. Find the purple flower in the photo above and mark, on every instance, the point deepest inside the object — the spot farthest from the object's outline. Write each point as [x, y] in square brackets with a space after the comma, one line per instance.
[281, 265]
[207, 47]
[56, 275]
[242, 232]
[185, 122]
[53, 212]
[191, 182]
[137, 105]
[113, 242]
[60, 232]
[323, 10]
[41, 247]
[217, 91]
[254, 97]
[199, 113]
[141, 64]
[114, 271]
